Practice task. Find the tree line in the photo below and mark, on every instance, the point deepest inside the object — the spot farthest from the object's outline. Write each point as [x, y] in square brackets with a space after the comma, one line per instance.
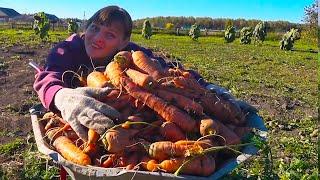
[215, 24]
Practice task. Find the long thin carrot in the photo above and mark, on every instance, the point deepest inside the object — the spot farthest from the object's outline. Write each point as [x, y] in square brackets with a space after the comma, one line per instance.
[70, 151]
[141, 79]
[181, 101]
[168, 112]
[143, 62]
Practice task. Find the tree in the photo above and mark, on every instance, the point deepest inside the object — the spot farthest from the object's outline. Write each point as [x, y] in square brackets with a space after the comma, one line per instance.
[230, 34]
[72, 26]
[289, 38]
[245, 35]
[146, 30]
[260, 32]
[194, 32]
[41, 25]
[311, 19]
[169, 26]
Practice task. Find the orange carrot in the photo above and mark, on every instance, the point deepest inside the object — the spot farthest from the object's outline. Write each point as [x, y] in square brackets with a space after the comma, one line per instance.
[70, 151]
[97, 79]
[124, 59]
[228, 134]
[165, 149]
[110, 161]
[114, 72]
[181, 101]
[171, 165]
[171, 132]
[120, 139]
[152, 165]
[143, 62]
[141, 79]
[200, 166]
[168, 112]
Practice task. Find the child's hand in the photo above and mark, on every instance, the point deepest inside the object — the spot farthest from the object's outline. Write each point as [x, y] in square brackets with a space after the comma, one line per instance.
[80, 107]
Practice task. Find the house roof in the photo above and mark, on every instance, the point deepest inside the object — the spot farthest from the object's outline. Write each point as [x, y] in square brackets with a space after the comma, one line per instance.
[29, 18]
[7, 12]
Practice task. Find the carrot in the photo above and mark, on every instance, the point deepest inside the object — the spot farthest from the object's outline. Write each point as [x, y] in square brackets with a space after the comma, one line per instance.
[118, 140]
[168, 112]
[200, 166]
[228, 134]
[205, 143]
[114, 71]
[189, 83]
[143, 62]
[208, 126]
[181, 101]
[165, 149]
[110, 161]
[124, 59]
[97, 79]
[224, 110]
[171, 165]
[171, 132]
[139, 78]
[93, 136]
[152, 165]
[71, 152]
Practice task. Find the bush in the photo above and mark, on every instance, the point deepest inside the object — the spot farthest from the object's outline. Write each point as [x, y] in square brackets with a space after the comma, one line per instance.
[260, 32]
[288, 39]
[41, 25]
[146, 30]
[194, 32]
[245, 35]
[230, 34]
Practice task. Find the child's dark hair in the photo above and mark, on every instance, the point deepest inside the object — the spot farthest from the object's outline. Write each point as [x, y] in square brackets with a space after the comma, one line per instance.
[110, 14]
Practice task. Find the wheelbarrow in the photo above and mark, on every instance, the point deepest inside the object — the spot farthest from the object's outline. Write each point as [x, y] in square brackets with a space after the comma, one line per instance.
[77, 172]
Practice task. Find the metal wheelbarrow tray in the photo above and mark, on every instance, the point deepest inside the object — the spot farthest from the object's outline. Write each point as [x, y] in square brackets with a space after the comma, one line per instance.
[93, 172]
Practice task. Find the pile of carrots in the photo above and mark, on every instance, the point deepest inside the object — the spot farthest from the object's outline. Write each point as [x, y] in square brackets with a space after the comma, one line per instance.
[168, 121]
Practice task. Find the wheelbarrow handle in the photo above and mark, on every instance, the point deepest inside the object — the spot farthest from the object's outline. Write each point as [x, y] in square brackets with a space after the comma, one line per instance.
[35, 66]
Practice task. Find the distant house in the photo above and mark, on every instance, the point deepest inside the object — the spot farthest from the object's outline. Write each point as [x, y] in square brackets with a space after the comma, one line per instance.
[29, 18]
[7, 13]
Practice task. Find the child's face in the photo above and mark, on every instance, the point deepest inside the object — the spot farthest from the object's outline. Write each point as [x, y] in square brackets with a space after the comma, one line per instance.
[104, 41]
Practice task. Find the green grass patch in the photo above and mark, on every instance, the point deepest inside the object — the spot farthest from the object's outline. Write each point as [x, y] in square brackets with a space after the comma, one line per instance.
[12, 147]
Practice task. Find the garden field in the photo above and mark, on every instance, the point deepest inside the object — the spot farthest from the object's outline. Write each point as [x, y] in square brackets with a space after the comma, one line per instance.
[282, 85]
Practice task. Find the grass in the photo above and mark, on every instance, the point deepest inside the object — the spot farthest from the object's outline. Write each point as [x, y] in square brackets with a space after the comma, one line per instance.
[10, 148]
[283, 85]
[270, 78]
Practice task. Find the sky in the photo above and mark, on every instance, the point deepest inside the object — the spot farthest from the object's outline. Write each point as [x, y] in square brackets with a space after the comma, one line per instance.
[266, 10]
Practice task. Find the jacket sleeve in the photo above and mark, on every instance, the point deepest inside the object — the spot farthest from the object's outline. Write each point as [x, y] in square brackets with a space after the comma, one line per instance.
[49, 81]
